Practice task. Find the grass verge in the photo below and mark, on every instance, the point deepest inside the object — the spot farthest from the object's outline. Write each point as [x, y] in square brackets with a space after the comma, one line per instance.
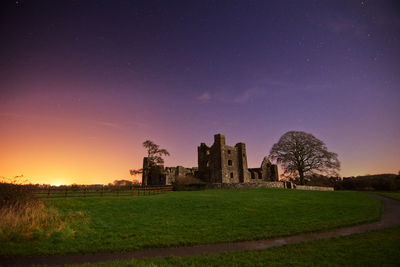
[375, 248]
[189, 218]
[394, 195]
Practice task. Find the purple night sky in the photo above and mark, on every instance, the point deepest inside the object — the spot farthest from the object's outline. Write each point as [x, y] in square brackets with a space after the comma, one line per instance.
[84, 83]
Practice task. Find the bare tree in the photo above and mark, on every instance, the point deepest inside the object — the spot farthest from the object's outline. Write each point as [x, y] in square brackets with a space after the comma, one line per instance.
[305, 154]
[154, 156]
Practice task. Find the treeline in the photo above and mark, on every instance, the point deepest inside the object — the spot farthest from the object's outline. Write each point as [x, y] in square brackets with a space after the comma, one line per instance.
[19, 183]
[379, 182]
[116, 185]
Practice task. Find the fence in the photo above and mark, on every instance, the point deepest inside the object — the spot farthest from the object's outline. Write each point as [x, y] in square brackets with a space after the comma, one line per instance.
[66, 192]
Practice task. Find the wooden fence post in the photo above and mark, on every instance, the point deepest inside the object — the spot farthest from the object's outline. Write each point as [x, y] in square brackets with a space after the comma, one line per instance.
[84, 192]
[48, 193]
[66, 190]
[102, 191]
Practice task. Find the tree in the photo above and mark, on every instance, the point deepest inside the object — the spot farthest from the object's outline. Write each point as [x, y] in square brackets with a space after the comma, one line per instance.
[154, 156]
[122, 183]
[305, 154]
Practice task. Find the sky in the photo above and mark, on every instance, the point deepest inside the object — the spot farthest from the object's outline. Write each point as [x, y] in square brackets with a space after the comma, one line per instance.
[84, 83]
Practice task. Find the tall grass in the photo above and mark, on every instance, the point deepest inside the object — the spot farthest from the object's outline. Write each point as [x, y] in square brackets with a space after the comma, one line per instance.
[27, 221]
[23, 216]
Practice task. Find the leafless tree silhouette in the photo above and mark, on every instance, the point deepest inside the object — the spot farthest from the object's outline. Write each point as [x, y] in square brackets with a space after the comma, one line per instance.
[154, 156]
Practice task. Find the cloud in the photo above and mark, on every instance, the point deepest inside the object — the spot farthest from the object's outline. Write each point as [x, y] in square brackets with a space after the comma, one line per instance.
[204, 97]
[109, 124]
[137, 124]
[121, 125]
[10, 115]
[345, 25]
[245, 96]
[23, 116]
[261, 87]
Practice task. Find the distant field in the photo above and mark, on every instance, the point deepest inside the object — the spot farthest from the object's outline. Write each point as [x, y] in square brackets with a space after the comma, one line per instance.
[188, 218]
[376, 248]
[394, 195]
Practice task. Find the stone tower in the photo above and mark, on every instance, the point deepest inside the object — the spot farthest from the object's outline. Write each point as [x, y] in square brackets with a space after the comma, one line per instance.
[221, 163]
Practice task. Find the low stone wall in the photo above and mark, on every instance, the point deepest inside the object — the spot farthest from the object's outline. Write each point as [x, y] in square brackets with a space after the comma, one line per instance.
[317, 188]
[190, 187]
[289, 185]
[247, 185]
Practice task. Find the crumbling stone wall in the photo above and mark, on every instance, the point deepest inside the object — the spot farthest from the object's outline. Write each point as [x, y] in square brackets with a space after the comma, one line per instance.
[225, 164]
[267, 172]
[221, 163]
[218, 164]
[248, 185]
[158, 175]
[317, 188]
[173, 172]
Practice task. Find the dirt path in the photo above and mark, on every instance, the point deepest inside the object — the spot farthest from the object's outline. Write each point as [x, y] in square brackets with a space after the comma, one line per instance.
[390, 217]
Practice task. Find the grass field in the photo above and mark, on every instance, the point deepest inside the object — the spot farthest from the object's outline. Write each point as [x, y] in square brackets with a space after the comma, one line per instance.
[99, 192]
[394, 195]
[376, 248]
[188, 218]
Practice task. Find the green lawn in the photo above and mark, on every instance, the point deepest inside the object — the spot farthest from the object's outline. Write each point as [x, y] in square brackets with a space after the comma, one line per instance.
[376, 248]
[394, 195]
[188, 218]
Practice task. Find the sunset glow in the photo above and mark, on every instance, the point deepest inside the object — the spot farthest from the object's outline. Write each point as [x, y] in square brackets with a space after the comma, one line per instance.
[79, 96]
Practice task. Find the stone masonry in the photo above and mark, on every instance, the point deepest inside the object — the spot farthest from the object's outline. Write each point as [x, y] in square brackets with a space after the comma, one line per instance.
[218, 164]
[221, 163]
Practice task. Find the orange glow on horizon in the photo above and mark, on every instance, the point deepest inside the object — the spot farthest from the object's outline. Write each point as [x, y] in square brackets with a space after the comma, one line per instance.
[51, 150]
[75, 146]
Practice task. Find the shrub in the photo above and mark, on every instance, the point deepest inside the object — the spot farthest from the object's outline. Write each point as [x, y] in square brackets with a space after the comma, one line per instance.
[319, 180]
[381, 182]
[15, 195]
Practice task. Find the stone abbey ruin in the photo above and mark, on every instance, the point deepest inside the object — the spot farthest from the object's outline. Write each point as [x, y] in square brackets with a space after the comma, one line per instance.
[217, 164]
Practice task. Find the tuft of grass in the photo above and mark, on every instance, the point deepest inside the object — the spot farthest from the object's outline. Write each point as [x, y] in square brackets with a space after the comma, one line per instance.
[183, 218]
[27, 221]
[25, 217]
